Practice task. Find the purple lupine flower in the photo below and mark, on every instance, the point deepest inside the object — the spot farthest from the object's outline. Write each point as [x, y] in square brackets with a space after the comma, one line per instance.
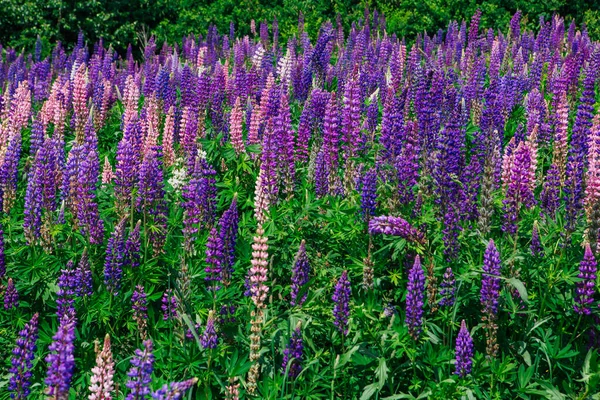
[174, 390]
[9, 172]
[11, 296]
[2, 259]
[199, 203]
[209, 339]
[490, 282]
[214, 259]
[228, 232]
[83, 276]
[293, 354]
[549, 198]
[522, 180]
[415, 295]
[447, 288]
[151, 197]
[169, 305]
[133, 246]
[140, 373]
[300, 274]
[584, 296]
[67, 289]
[331, 138]
[389, 311]
[61, 360]
[115, 253]
[536, 245]
[464, 351]
[139, 306]
[395, 226]
[341, 298]
[22, 360]
[126, 171]
[368, 195]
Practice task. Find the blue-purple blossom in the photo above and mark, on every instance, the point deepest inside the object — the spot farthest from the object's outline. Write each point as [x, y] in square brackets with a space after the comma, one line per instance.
[464, 351]
[169, 305]
[447, 288]
[293, 354]
[174, 390]
[140, 373]
[209, 339]
[300, 277]
[415, 295]
[11, 296]
[584, 296]
[22, 360]
[61, 360]
[490, 282]
[341, 298]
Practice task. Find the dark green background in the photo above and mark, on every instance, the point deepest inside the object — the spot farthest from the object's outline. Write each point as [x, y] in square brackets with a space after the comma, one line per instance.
[121, 22]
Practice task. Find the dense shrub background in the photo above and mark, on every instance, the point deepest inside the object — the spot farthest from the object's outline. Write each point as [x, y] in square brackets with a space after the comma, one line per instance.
[121, 22]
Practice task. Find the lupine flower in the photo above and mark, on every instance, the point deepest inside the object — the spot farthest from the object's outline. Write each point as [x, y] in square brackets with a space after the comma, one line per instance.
[151, 198]
[490, 292]
[300, 273]
[83, 276]
[107, 172]
[175, 390]
[209, 339]
[11, 296]
[67, 288]
[101, 384]
[447, 288]
[341, 298]
[115, 252]
[214, 259]
[368, 273]
[584, 296]
[395, 226]
[490, 284]
[139, 305]
[227, 315]
[61, 360]
[228, 232]
[140, 373]
[257, 274]
[2, 259]
[133, 246]
[389, 311]
[293, 354]
[232, 390]
[235, 127]
[368, 195]
[169, 305]
[536, 246]
[464, 351]
[22, 360]
[415, 295]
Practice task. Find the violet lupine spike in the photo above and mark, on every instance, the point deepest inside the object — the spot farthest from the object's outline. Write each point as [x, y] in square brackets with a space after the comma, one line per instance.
[519, 185]
[133, 247]
[228, 233]
[9, 173]
[550, 196]
[300, 275]
[115, 252]
[22, 360]
[11, 296]
[584, 297]
[140, 373]
[490, 281]
[464, 351]
[209, 339]
[536, 245]
[61, 361]
[415, 296]
[448, 288]
[331, 150]
[341, 298]
[67, 289]
[139, 306]
[169, 305]
[102, 384]
[83, 276]
[175, 390]
[214, 259]
[395, 226]
[2, 257]
[368, 195]
[293, 354]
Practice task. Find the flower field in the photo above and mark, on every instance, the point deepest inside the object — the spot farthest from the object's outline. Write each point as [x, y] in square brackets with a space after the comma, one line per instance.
[358, 216]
